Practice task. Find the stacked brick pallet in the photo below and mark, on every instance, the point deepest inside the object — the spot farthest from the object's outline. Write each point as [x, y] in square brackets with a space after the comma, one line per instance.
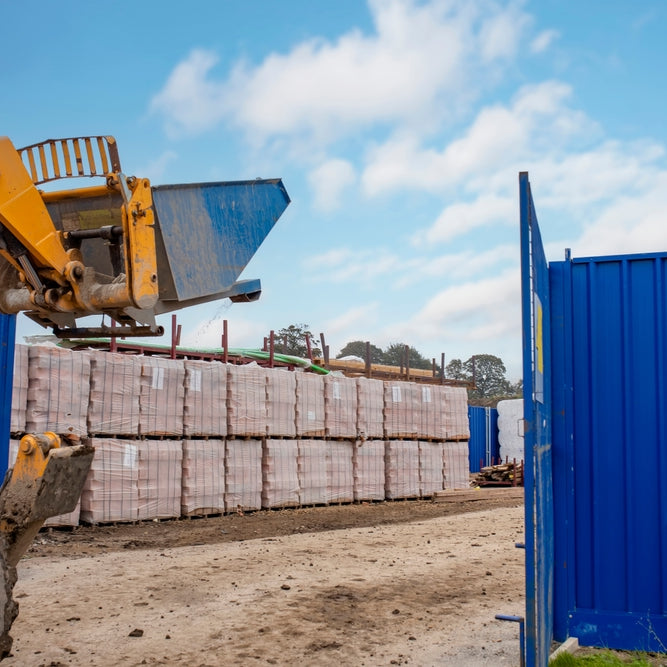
[183, 437]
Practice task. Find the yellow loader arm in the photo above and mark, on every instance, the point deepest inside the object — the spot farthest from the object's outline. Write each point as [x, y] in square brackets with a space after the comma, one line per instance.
[46, 480]
[43, 272]
[120, 249]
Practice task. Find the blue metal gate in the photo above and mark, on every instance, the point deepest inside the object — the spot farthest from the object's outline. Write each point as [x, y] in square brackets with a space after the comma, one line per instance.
[7, 339]
[537, 415]
[483, 447]
[596, 409]
[610, 455]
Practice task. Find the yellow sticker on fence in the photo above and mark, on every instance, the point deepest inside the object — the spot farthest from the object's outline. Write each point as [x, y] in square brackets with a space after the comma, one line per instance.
[539, 347]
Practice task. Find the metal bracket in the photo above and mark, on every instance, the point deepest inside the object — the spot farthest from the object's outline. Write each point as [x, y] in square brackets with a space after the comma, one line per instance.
[522, 637]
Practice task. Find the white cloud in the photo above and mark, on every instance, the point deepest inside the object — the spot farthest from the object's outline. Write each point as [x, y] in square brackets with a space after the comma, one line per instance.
[544, 40]
[420, 58]
[538, 117]
[628, 224]
[478, 311]
[189, 101]
[500, 34]
[353, 321]
[463, 217]
[329, 182]
[156, 169]
[461, 265]
[347, 265]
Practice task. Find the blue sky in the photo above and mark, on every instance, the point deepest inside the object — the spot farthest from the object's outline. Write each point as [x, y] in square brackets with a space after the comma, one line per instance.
[398, 127]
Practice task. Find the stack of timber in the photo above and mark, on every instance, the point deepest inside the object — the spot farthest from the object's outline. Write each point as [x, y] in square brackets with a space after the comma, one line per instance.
[384, 372]
[504, 474]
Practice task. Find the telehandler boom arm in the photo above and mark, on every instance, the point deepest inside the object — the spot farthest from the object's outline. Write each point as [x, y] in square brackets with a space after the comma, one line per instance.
[120, 249]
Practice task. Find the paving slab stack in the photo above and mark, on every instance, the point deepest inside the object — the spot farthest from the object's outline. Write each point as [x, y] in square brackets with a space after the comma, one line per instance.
[432, 467]
[369, 470]
[205, 399]
[58, 391]
[280, 473]
[19, 390]
[243, 475]
[401, 469]
[310, 405]
[312, 472]
[340, 407]
[340, 471]
[115, 386]
[457, 465]
[281, 403]
[111, 491]
[183, 437]
[161, 397]
[370, 408]
[159, 480]
[246, 401]
[203, 477]
[402, 402]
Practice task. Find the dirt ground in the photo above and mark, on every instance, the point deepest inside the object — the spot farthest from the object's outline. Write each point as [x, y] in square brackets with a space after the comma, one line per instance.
[396, 583]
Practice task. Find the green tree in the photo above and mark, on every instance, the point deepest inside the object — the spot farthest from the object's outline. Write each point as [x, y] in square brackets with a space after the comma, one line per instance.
[357, 348]
[394, 355]
[454, 370]
[489, 376]
[292, 340]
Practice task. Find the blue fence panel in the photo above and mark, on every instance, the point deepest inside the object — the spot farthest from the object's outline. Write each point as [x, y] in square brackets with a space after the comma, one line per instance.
[7, 339]
[610, 463]
[483, 447]
[538, 494]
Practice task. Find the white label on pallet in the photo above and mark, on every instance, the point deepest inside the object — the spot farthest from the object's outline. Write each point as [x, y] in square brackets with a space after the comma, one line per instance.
[396, 394]
[311, 416]
[158, 378]
[130, 456]
[426, 394]
[195, 380]
[336, 391]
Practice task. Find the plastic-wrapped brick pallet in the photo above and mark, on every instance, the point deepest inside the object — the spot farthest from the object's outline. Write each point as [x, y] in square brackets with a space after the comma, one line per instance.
[456, 424]
[243, 475]
[368, 464]
[115, 381]
[340, 471]
[340, 407]
[401, 469]
[161, 397]
[205, 400]
[68, 519]
[281, 402]
[203, 486]
[111, 492]
[312, 467]
[58, 390]
[309, 405]
[246, 401]
[401, 409]
[510, 435]
[19, 390]
[431, 467]
[280, 476]
[159, 480]
[457, 465]
[370, 408]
